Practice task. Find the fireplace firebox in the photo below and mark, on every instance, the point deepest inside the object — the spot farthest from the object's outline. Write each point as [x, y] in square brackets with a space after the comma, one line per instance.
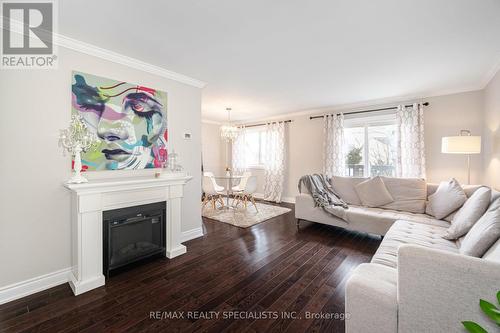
[133, 234]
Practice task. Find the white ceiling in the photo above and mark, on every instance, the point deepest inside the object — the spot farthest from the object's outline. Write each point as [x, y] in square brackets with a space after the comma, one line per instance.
[264, 58]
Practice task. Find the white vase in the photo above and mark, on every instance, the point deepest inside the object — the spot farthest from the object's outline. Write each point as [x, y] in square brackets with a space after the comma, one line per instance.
[77, 177]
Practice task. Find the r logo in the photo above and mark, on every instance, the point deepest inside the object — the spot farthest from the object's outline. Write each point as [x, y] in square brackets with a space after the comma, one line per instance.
[27, 28]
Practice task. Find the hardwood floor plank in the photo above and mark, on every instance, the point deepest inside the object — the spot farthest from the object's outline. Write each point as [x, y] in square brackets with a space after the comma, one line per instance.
[271, 267]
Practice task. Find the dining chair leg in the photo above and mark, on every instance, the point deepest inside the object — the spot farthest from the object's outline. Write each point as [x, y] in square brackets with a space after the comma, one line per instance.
[253, 201]
[219, 199]
[205, 201]
[213, 203]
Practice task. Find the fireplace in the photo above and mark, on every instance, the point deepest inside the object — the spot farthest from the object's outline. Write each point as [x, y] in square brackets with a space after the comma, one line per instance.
[90, 200]
[132, 234]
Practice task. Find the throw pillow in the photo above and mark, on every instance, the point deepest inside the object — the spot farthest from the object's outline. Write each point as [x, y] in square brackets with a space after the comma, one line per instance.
[409, 194]
[484, 233]
[469, 214]
[469, 191]
[344, 187]
[448, 197]
[373, 193]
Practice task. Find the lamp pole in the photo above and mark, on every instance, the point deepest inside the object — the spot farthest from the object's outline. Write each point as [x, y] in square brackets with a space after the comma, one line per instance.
[467, 133]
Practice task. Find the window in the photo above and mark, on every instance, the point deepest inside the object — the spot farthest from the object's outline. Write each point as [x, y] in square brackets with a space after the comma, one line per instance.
[370, 146]
[254, 144]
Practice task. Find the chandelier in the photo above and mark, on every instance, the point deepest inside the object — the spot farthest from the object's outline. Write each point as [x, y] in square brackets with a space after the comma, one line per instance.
[228, 132]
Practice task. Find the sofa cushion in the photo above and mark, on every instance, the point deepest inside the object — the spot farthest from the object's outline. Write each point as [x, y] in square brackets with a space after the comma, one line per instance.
[371, 299]
[484, 233]
[468, 190]
[449, 197]
[409, 194]
[373, 193]
[406, 232]
[493, 253]
[344, 186]
[368, 215]
[469, 214]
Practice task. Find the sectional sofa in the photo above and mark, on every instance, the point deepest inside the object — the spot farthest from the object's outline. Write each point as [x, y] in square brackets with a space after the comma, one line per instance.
[417, 281]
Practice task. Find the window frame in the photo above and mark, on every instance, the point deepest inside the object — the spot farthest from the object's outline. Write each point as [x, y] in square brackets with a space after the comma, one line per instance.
[260, 131]
[365, 122]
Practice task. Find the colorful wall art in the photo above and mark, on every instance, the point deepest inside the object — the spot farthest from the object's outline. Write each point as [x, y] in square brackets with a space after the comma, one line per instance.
[129, 119]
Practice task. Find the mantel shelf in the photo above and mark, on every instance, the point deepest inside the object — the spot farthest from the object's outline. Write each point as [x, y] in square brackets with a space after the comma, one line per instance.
[111, 184]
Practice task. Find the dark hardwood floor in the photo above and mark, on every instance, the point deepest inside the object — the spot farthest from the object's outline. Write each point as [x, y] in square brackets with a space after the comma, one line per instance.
[270, 269]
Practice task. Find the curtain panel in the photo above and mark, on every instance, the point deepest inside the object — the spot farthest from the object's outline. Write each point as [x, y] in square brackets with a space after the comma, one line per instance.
[333, 145]
[238, 158]
[410, 141]
[274, 161]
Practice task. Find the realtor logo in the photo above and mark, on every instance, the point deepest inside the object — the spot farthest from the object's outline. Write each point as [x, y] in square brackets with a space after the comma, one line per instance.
[27, 35]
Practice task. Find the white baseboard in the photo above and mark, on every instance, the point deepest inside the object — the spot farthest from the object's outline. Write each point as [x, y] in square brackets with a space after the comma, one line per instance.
[43, 282]
[34, 285]
[288, 200]
[258, 196]
[283, 199]
[191, 234]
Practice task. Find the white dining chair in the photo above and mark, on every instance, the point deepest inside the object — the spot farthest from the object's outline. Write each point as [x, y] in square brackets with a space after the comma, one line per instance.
[247, 193]
[211, 193]
[243, 182]
[218, 188]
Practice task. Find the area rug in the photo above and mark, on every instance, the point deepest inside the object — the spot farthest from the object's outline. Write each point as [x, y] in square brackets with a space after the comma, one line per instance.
[242, 217]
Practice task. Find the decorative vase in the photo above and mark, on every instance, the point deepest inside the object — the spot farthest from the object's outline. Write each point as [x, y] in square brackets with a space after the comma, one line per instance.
[77, 177]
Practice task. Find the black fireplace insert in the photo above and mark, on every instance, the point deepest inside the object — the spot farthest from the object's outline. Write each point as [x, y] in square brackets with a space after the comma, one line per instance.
[133, 234]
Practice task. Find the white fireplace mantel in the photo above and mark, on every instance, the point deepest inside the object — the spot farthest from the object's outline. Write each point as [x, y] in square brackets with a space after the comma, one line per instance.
[89, 200]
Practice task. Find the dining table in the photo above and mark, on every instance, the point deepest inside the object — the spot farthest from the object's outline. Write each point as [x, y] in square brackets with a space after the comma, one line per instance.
[228, 181]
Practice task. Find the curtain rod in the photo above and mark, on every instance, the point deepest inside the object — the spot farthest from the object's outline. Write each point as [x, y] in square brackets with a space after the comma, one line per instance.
[372, 110]
[264, 124]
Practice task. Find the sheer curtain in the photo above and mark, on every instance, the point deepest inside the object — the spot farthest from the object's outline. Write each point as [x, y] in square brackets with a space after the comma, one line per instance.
[274, 161]
[410, 141]
[333, 146]
[238, 158]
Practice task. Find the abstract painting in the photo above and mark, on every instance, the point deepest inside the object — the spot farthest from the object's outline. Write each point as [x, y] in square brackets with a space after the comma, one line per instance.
[129, 119]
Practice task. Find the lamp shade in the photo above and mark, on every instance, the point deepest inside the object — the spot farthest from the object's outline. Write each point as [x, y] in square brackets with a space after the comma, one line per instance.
[465, 144]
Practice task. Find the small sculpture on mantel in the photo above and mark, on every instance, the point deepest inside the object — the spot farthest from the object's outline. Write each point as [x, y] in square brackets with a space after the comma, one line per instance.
[75, 140]
[173, 162]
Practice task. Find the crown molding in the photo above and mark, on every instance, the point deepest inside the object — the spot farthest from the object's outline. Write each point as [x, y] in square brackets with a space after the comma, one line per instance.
[92, 50]
[374, 103]
[211, 122]
[99, 52]
[490, 74]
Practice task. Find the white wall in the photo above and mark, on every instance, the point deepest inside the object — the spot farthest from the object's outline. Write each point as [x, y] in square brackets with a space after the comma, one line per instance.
[446, 115]
[34, 206]
[214, 150]
[491, 133]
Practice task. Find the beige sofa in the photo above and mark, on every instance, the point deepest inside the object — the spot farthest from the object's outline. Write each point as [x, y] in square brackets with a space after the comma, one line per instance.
[416, 281]
[410, 196]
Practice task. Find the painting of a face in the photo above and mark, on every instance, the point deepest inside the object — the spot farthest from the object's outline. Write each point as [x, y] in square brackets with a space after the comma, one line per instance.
[130, 120]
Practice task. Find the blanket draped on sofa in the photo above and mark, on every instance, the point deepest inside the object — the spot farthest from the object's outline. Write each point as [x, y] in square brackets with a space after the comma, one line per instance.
[323, 194]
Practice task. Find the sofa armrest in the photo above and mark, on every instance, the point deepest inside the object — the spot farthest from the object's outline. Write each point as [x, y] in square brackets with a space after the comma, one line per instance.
[437, 290]
[371, 300]
[303, 202]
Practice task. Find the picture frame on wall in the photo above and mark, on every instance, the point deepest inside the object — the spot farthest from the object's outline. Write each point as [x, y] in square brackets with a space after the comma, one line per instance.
[129, 119]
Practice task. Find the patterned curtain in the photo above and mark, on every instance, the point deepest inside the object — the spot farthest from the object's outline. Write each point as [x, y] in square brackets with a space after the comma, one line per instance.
[410, 142]
[274, 161]
[333, 146]
[238, 154]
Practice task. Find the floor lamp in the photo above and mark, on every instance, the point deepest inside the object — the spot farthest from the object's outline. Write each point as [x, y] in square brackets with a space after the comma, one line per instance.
[465, 144]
